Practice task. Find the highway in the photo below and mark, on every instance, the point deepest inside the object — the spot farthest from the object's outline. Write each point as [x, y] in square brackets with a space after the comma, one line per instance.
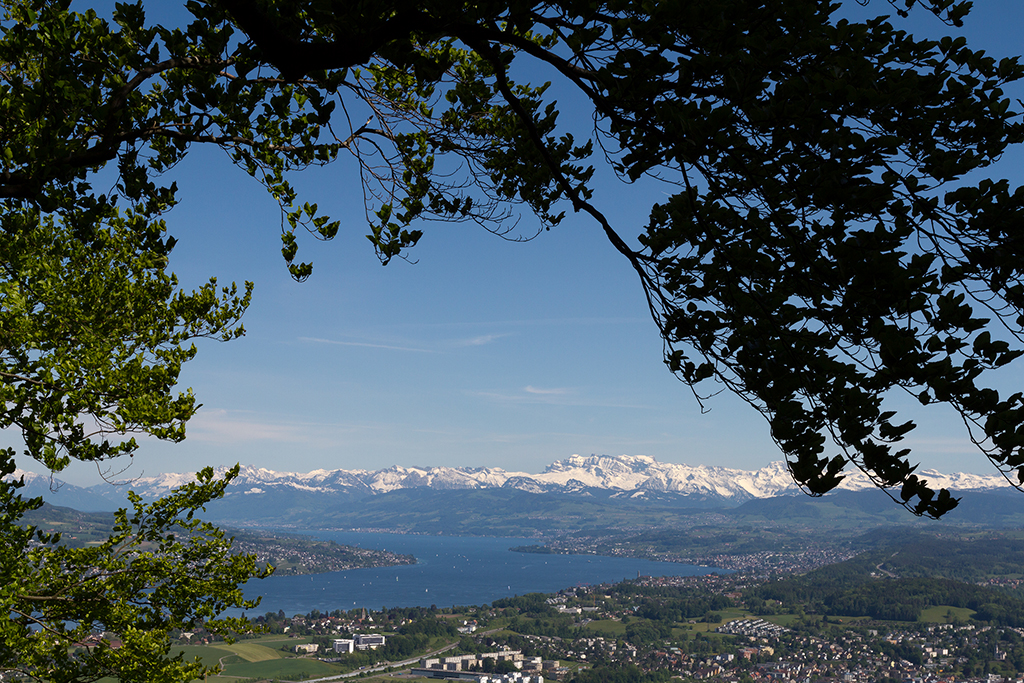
[385, 667]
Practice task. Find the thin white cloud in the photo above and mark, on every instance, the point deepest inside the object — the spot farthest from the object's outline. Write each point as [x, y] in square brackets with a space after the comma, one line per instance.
[480, 340]
[561, 397]
[532, 322]
[218, 426]
[546, 392]
[317, 340]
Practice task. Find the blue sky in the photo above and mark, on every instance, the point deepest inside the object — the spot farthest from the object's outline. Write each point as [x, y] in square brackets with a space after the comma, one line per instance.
[483, 353]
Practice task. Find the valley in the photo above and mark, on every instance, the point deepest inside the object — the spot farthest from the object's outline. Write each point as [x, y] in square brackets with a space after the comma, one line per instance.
[846, 622]
[846, 587]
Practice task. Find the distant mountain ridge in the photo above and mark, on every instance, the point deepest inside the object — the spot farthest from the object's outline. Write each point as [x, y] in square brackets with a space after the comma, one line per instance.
[635, 477]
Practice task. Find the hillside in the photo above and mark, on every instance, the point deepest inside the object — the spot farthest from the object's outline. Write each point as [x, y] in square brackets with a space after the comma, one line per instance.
[288, 553]
[908, 571]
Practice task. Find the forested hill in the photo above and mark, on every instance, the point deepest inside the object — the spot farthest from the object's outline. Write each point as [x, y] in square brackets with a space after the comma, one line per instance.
[907, 573]
[893, 599]
[909, 553]
[288, 553]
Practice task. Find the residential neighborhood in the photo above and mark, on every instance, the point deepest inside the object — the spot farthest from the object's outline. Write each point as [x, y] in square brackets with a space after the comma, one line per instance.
[708, 628]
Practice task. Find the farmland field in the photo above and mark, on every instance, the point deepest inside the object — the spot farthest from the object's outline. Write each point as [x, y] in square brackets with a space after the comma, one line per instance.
[941, 614]
[607, 627]
[252, 652]
[281, 668]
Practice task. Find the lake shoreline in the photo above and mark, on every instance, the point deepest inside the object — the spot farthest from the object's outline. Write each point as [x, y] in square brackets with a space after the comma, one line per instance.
[450, 570]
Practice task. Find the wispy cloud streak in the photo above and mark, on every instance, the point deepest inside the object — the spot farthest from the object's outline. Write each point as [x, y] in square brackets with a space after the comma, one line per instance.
[546, 392]
[559, 397]
[480, 340]
[318, 340]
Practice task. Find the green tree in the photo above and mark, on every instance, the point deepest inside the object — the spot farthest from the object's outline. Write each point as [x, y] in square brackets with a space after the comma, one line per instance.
[505, 666]
[824, 239]
[81, 614]
[809, 261]
[818, 248]
[93, 333]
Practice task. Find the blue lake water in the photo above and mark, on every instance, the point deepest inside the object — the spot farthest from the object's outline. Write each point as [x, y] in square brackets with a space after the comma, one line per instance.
[451, 570]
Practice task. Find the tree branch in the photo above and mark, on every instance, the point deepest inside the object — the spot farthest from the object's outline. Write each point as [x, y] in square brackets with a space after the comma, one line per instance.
[295, 58]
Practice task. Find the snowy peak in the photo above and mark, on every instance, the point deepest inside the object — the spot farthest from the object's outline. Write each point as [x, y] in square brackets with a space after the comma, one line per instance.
[622, 476]
[575, 474]
[602, 471]
[644, 473]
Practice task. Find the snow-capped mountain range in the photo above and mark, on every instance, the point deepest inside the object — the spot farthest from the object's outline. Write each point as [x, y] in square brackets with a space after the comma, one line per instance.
[633, 476]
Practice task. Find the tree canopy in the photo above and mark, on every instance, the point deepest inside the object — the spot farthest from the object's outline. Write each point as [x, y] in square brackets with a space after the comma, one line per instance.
[821, 246]
[828, 237]
[83, 614]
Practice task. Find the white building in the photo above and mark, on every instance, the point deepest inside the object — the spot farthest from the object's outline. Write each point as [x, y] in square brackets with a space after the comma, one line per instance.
[369, 641]
[516, 677]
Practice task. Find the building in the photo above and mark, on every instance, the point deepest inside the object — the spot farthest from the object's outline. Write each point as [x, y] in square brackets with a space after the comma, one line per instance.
[344, 645]
[369, 641]
[463, 663]
[449, 675]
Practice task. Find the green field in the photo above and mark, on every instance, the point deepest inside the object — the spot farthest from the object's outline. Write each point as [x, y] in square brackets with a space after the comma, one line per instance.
[724, 616]
[252, 660]
[729, 614]
[944, 614]
[191, 652]
[607, 627]
[280, 668]
[249, 659]
[252, 652]
[781, 619]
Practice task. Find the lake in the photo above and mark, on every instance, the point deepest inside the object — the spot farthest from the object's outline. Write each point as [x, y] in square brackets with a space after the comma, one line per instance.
[450, 570]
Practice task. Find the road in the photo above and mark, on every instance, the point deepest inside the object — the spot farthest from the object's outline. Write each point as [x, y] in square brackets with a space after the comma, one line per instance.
[394, 665]
[385, 667]
[878, 567]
